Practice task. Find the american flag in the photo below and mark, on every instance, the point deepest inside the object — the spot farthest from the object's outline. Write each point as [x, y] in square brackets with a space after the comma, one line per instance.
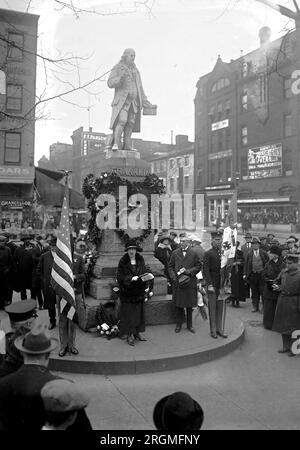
[62, 278]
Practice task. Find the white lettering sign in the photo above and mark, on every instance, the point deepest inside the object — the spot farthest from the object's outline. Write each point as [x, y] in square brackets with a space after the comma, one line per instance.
[218, 125]
[296, 84]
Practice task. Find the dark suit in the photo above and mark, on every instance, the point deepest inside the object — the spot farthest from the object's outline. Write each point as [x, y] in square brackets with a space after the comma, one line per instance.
[23, 264]
[212, 276]
[255, 279]
[21, 404]
[44, 269]
[36, 292]
[185, 297]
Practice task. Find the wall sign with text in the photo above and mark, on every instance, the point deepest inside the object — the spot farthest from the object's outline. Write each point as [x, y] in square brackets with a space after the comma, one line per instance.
[265, 162]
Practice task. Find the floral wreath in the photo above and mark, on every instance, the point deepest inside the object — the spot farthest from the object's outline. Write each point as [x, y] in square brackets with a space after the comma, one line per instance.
[108, 184]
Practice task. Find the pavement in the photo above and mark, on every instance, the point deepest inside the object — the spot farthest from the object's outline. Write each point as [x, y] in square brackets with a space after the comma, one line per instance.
[252, 388]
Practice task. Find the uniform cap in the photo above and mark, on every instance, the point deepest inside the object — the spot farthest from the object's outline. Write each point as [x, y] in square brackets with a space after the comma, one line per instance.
[21, 311]
[216, 234]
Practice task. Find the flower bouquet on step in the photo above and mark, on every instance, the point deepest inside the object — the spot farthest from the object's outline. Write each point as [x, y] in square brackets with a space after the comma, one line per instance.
[108, 331]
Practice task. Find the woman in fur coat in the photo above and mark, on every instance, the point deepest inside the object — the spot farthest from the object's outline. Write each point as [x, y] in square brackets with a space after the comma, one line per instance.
[132, 293]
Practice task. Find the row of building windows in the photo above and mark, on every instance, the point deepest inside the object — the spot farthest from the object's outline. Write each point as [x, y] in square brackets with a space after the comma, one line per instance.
[287, 129]
[161, 166]
[175, 184]
[218, 111]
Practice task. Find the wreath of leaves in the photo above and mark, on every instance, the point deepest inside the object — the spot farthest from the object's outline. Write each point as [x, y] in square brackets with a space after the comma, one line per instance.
[108, 184]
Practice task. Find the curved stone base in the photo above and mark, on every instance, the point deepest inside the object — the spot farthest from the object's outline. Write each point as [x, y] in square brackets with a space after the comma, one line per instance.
[164, 350]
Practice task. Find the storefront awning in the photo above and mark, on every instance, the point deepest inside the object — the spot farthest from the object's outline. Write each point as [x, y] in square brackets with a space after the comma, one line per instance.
[264, 200]
[50, 192]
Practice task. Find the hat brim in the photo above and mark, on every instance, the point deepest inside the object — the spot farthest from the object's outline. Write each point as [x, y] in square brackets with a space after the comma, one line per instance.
[138, 249]
[159, 410]
[19, 345]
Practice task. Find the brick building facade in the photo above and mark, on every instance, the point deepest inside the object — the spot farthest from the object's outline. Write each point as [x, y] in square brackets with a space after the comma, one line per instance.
[247, 134]
[18, 47]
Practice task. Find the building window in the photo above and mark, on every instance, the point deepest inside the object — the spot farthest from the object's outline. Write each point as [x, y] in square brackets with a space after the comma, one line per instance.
[263, 87]
[220, 141]
[228, 169]
[14, 97]
[244, 69]
[2, 83]
[287, 90]
[186, 182]
[212, 172]
[220, 84]
[12, 154]
[244, 101]
[227, 108]
[214, 142]
[172, 185]
[162, 166]
[220, 170]
[288, 131]
[171, 163]
[211, 113]
[220, 110]
[244, 167]
[16, 45]
[186, 160]
[227, 138]
[244, 135]
[287, 163]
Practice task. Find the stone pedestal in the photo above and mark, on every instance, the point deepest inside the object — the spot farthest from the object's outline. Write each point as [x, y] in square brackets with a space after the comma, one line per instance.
[127, 164]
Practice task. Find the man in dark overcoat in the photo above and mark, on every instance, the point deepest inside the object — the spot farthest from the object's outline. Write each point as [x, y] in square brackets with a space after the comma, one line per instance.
[6, 264]
[36, 253]
[270, 296]
[21, 403]
[287, 314]
[212, 278]
[23, 266]
[253, 271]
[184, 260]
[245, 248]
[44, 269]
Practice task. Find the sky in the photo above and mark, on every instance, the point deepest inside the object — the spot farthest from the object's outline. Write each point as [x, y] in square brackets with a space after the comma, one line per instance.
[176, 42]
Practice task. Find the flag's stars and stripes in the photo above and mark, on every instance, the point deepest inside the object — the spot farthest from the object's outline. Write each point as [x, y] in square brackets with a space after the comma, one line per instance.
[62, 279]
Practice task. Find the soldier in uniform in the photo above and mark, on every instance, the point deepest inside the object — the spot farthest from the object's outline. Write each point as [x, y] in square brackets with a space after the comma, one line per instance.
[22, 315]
[212, 278]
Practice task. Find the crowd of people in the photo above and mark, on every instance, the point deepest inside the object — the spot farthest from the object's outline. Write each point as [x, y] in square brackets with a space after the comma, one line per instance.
[282, 216]
[262, 268]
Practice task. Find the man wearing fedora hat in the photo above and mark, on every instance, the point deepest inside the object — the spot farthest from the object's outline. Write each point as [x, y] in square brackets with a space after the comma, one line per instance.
[270, 296]
[21, 403]
[183, 266]
[23, 266]
[253, 271]
[21, 315]
[178, 412]
[212, 279]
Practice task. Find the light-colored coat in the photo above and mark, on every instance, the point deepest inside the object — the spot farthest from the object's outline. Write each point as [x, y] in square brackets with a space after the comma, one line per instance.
[122, 89]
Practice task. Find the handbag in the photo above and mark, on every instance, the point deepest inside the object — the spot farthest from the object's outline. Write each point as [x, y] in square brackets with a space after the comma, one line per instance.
[183, 280]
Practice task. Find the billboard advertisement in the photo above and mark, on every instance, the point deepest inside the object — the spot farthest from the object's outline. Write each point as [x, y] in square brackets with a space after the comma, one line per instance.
[265, 162]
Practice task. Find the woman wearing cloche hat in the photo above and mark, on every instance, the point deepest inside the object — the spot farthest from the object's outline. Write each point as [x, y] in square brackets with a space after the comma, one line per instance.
[132, 292]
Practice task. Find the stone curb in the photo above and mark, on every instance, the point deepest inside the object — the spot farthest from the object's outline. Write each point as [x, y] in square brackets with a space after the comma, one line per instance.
[158, 363]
